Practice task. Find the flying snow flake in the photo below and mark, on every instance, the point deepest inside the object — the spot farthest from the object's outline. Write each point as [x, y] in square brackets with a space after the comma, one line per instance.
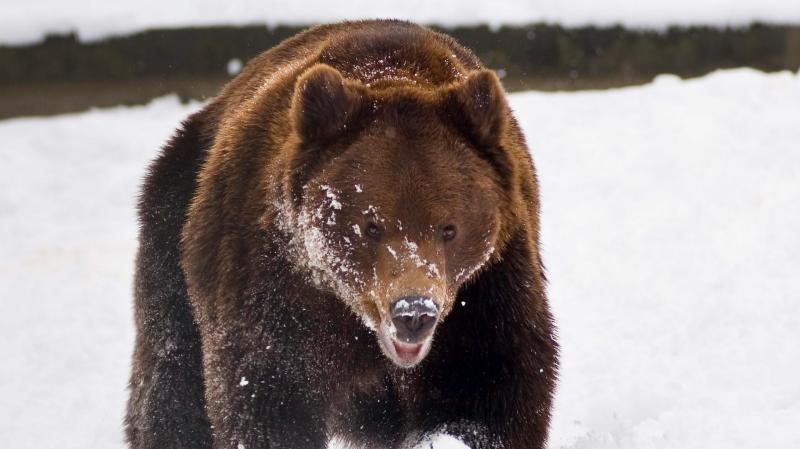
[234, 66]
[243, 382]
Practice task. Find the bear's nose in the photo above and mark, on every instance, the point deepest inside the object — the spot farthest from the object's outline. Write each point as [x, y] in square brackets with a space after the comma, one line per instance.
[413, 317]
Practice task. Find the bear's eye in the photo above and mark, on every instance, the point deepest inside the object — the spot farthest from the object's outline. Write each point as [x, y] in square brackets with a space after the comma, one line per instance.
[373, 230]
[449, 233]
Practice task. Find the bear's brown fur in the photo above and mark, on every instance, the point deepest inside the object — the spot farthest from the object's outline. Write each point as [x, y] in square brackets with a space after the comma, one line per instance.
[350, 166]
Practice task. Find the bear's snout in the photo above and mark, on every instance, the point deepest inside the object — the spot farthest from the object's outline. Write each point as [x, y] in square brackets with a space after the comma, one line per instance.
[406, 334]
[414, 318]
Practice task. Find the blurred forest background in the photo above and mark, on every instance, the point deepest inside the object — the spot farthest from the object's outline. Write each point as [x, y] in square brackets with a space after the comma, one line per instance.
[61, 73]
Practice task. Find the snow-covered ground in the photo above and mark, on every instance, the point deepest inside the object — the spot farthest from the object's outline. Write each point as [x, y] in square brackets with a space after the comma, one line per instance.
[671, 215]
[29, 20]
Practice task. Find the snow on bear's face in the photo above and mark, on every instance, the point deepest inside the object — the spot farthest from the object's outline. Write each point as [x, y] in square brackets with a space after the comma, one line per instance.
[393, 197]
[395, 224]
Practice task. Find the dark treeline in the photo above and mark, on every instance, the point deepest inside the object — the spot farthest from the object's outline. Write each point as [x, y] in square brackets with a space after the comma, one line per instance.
[537, 56]
[537, 51]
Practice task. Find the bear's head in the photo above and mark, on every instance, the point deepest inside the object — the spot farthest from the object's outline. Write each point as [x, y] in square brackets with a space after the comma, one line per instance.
[396, 197]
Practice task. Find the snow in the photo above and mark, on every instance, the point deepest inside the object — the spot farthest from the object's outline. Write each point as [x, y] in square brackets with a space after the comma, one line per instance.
[441, 441]
[670, 217]
[391, 251]
[671, 237]
[234, 66]
[332, 196]
[312, 250]
[67, 193]
[24, 21]
[404, 308]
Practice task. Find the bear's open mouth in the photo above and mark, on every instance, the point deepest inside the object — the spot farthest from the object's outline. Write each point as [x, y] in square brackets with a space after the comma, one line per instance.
[408, 353]
[403, 354]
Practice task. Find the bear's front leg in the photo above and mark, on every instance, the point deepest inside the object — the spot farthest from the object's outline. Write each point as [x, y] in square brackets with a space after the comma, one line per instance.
[259, 398]
[490, 377]
[496, 412]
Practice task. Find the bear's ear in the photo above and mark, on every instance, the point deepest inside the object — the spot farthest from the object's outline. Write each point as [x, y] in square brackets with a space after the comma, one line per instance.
[324, 104]
[478, 107]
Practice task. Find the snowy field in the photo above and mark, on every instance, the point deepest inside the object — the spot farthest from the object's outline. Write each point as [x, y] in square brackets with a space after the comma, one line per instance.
[671, 214]
[24, 21]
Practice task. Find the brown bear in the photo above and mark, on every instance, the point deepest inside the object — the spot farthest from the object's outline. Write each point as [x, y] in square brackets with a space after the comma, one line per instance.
[344, 243]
